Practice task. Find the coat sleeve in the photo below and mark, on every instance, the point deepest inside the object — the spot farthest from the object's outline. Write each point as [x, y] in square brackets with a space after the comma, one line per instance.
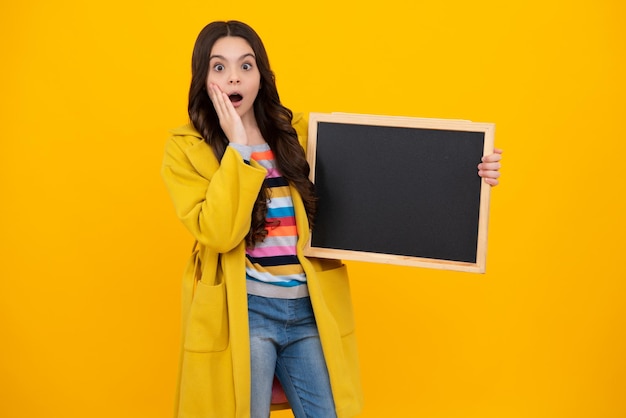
[213, 200]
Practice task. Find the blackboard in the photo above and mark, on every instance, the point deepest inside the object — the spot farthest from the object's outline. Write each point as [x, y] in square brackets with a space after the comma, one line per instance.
[399, 190]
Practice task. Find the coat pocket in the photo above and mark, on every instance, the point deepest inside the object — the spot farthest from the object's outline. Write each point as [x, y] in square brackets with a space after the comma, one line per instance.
[335, 286]
[207, 324]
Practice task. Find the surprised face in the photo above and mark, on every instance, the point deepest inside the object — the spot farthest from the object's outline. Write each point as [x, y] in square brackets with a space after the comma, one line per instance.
[232, 67]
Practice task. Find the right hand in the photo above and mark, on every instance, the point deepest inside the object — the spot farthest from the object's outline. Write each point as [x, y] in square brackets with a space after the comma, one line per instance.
[230, 121]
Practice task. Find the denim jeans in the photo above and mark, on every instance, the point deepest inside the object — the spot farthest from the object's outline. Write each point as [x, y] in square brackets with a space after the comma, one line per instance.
[284, 341]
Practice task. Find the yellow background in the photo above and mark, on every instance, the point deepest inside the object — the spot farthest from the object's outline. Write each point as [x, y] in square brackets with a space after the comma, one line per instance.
[91, 253]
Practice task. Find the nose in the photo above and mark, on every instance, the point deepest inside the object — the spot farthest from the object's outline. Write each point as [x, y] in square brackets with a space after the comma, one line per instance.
[234, 78]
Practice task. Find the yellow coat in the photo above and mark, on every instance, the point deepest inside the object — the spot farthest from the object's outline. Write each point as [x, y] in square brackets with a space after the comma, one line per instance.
[214, 201]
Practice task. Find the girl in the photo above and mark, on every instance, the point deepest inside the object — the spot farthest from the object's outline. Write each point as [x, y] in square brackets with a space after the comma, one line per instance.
[253, 306]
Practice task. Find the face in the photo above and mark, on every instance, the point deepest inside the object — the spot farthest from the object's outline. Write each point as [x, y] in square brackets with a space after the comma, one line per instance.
[232, 67]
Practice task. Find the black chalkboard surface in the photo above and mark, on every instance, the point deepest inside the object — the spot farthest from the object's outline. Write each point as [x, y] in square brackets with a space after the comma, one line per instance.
[399, 190]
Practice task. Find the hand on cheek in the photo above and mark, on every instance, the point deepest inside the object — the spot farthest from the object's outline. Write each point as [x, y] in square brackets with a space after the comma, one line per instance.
[230, 121]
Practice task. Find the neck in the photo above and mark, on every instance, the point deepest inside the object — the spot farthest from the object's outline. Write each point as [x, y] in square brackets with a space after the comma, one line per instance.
[252, 130]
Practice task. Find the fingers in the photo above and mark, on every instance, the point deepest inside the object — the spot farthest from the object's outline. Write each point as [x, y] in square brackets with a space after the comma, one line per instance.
[492, 174]
[495, 166]
[489, 168]
[491, 162]
[230, 121]
[491, 182]
[496, 156]
[220, 100]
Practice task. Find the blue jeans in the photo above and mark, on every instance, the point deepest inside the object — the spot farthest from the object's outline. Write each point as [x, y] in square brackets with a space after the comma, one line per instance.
[284, 341]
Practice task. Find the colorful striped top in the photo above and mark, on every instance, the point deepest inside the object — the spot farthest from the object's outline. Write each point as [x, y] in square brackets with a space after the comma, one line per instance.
[272, 267]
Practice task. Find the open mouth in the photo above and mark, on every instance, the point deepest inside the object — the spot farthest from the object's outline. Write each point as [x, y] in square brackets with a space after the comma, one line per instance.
[235, 97]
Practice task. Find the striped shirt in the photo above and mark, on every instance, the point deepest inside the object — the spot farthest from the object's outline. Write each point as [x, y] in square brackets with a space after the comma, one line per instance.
[272, 267]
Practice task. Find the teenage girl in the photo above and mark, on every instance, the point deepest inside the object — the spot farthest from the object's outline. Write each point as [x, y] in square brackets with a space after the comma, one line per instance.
[253, 306]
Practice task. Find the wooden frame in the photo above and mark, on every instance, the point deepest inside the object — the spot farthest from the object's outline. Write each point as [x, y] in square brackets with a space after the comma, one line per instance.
[324, 143]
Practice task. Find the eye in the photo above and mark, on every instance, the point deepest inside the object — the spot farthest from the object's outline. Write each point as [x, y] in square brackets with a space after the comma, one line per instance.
[247, 66]
[218, 67]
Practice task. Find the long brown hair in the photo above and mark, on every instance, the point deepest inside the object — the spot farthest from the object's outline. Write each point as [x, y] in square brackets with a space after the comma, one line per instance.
[274, 120]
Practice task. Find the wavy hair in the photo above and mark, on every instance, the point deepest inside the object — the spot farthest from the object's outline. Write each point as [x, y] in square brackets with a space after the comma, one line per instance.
[274, 121]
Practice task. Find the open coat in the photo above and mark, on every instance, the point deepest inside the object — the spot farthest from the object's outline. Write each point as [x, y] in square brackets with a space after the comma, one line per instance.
[214, 201]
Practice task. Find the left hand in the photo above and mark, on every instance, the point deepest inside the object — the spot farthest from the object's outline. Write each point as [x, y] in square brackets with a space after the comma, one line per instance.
[230, 121]
[489, 168]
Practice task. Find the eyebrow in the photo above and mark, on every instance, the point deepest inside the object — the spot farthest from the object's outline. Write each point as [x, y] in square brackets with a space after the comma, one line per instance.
[241, 58]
